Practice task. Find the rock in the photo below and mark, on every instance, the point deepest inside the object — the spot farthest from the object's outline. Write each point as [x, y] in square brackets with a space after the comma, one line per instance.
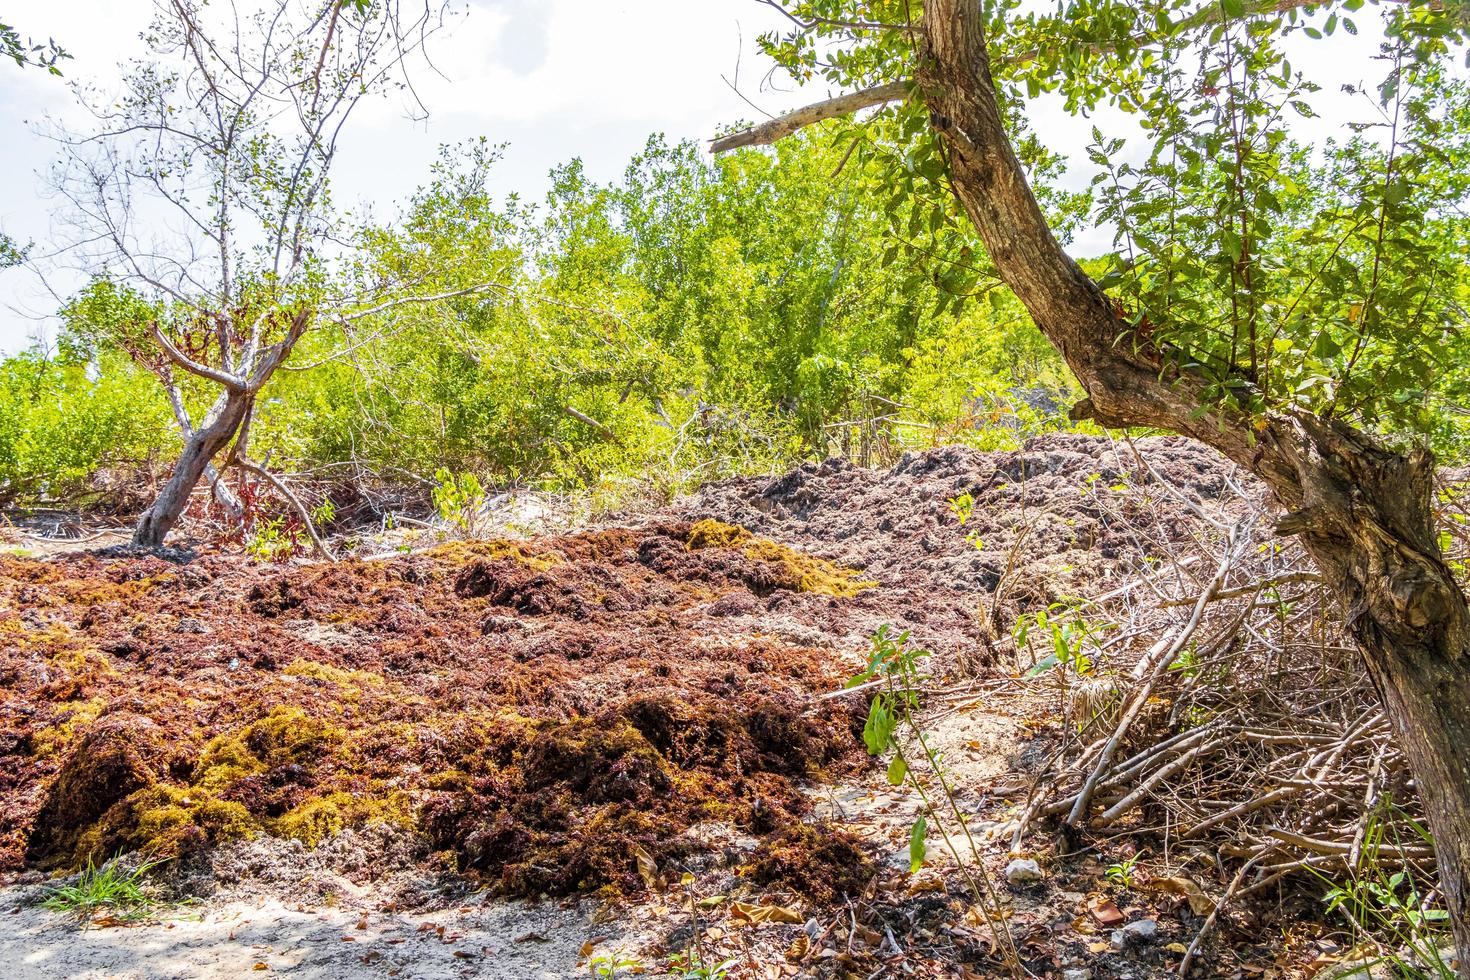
[1022, 872]
[1143, 932]
[1077, 973]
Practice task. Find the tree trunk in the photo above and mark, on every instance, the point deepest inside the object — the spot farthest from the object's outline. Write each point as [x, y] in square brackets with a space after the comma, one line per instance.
[1363, 512]
[223, 495]
[214, 434]
[1365, 516]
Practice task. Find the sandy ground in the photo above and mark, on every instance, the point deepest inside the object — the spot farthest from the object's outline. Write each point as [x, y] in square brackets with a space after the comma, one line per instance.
[506, 941]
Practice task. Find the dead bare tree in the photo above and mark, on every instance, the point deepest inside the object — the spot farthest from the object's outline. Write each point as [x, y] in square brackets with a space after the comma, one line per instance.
[201, 200]
[1361, 508]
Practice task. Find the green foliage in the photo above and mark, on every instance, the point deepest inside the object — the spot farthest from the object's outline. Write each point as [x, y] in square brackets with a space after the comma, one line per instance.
[458, 500]
[1069, 634]
[63, 422]
[605, 966]
[689, 966]
[271, 540]
[1387, 905]
[688, 321]
[106, 889]
[29, 52]
[1328, 277]
[12, 253]
[1121, 873]
[918, 843]
[896, 668]
[963, 507]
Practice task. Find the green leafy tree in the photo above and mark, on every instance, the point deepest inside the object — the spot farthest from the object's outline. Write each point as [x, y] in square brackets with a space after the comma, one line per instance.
[654, 325]
[1299, 309]
[63, 422]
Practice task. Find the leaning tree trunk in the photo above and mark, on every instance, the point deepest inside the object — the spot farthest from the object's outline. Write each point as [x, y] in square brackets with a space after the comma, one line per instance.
[1363, 512]
[222, 423]
[218, 428]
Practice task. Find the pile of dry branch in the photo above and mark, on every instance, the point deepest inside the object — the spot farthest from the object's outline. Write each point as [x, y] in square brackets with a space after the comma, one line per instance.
[1222, 708]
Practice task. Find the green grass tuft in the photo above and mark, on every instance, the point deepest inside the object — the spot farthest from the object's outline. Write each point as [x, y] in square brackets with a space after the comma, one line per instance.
[106, 889]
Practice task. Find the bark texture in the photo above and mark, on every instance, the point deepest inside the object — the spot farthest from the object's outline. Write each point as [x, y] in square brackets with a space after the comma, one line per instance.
[1364, 512]
[229, 412]
[202, 445]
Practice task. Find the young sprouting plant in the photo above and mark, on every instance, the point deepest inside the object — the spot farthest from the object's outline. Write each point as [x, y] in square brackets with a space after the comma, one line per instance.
[1389, 907]
[458, 500]
[689, 966]
[691, 960]
[963, 507]
[270, 540]
[1071, 634]
[105, 889]
[1121, 874]
[324, 513]
[896, 668]
[609, 966]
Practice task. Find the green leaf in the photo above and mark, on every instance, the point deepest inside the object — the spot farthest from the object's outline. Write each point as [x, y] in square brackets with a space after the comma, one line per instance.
[878, 732]
[918, 845]
[897, 770]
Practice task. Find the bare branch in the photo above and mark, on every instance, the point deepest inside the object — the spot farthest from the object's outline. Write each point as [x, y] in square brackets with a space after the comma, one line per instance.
[302, 513]
[406, 300]
[228, 381]
[781, 127]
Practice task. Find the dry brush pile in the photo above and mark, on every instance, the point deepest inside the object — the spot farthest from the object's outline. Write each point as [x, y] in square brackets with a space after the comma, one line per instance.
[1215, 712]
[1215, 706]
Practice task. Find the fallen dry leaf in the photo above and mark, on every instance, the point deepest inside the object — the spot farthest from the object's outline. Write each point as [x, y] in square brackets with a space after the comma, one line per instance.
[647, 868]
[979, 916]
[760, 914]
[1187, 888]
[926, 883]
[109, 922]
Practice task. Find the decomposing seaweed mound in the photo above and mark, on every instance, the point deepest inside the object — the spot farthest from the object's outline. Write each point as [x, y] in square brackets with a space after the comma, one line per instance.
[543, 710]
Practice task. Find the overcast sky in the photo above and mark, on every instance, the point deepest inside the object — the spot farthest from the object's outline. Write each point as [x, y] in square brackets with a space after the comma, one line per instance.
[553, 78]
